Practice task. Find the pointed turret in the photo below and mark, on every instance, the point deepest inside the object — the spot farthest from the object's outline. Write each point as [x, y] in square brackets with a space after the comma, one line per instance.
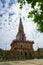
[20, 34]
[20, 26]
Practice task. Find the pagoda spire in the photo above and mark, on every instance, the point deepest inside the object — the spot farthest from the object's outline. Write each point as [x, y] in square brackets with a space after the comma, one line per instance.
[20, 26]
[20, 35]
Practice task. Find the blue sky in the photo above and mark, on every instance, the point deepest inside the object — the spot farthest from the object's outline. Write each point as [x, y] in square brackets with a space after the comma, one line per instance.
[9, 22]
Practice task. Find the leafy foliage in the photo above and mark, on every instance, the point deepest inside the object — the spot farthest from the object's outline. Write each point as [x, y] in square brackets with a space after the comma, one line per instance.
[36, 14]
[21, 3]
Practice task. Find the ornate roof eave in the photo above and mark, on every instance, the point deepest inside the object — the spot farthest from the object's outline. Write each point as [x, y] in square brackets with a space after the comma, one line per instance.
[21, 41]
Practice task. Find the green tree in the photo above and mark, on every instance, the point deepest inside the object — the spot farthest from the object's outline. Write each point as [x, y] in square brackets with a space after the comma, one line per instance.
[1, 53]
[36, 14]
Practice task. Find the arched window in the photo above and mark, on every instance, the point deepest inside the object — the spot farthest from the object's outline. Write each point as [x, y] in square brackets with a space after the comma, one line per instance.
[25, 53]
[21, 46]
[21, 53]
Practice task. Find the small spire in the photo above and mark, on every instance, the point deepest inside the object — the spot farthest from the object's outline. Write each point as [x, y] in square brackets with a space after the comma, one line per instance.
[20, 25]
[20, 34]
[20, 19]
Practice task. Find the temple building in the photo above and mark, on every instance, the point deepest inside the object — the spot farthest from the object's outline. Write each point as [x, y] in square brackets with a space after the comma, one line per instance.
[20, 46]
